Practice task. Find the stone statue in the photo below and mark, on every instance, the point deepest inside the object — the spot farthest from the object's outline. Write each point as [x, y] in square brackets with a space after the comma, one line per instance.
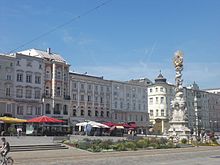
[179, 117]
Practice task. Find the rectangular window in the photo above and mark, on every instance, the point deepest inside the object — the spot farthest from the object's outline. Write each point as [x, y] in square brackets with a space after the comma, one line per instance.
[162, 112]
[151, 90]
[121, 105]
[139, 106]
[151, 100]
[8, 91]
[134, 106]
[19, 93]
[18, 63]
[28, 78]
[28, 93]
[9, 108]
[82, 98]
[162, 100]
[157, 112]
[89, 98]
[156, 89]
[29, 110]
[38, 110]
[161, 89]
[58, 91]
[96, 88]
[156, 100]
[101, 100]
[19, 77]
[74, 85]
[96, 98]
[37, 94]
[151, 113]
[20, 110]
[74, 97]
[37, 79]
[116, 105]
[8, 77]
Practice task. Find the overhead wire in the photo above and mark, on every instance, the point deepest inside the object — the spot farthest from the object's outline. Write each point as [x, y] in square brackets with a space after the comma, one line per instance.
[62, 25]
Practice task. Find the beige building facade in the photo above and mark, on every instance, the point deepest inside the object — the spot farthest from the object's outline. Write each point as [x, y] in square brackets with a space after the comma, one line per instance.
[90, 98]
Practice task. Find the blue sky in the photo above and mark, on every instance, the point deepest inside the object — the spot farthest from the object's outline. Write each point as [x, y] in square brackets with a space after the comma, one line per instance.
[125, 39]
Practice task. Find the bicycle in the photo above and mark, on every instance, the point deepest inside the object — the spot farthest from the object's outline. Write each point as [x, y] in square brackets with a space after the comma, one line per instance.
[6, 160]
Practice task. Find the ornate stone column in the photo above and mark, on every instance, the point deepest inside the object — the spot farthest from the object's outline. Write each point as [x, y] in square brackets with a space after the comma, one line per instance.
[178, 117]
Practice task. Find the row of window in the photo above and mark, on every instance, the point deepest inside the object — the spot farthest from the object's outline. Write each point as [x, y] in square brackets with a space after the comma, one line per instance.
[28, 93]
[20, 78]
[128, 106]
[29, 64]
[131, 117]
[161, 113]
[90, 98]
[156, 100]
[156, 89]
[89, 113]
[90, 87]
[116, 94]
[57, 109]
[29, 111]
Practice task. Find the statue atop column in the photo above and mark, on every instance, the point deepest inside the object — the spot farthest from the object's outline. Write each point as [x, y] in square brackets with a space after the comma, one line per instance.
[178, 116]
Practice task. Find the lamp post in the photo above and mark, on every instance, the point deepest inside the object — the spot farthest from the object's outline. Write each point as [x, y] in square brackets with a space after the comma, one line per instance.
[196, 115]
[216, 126]
[210, 125]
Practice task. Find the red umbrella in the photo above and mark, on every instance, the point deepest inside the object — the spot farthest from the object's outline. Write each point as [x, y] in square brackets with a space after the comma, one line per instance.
[44, 119]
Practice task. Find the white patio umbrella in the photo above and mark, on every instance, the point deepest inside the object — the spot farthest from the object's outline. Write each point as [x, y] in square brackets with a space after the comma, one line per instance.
[93, 124]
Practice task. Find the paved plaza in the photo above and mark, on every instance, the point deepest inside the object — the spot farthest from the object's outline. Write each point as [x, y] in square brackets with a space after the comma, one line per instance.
[73, 156]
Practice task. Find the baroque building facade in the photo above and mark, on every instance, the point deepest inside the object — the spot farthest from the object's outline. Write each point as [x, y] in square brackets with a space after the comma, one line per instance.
[55, 97]
[202, 107]
[7, 90]
[35, 82]
[28, 85]
[90, 98]
[129, 103]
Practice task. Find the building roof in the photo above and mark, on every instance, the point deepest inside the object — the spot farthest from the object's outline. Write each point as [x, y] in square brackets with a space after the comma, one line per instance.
[44, 54]
[160, 79]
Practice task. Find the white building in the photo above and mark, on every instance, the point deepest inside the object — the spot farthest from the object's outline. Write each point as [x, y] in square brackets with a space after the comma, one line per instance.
[214, 111]
[160, 95]
[29, 86]
[56, 96]
[129, 104]
[7, 90]
[90, 98]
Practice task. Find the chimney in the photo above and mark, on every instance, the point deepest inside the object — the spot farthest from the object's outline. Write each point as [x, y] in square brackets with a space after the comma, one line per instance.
[48, 50]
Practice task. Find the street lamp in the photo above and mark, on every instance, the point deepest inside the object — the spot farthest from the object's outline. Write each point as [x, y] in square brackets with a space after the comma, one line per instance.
[216, 125]
[196, 114]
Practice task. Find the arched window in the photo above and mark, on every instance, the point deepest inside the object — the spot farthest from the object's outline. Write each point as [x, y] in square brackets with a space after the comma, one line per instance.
[96, 113]
[74, 112]
[57, 109]
[102, 114]
[89, 113]
[82, 112]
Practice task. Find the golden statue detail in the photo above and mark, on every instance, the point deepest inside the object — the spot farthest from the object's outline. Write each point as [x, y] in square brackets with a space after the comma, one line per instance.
[178, 59]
